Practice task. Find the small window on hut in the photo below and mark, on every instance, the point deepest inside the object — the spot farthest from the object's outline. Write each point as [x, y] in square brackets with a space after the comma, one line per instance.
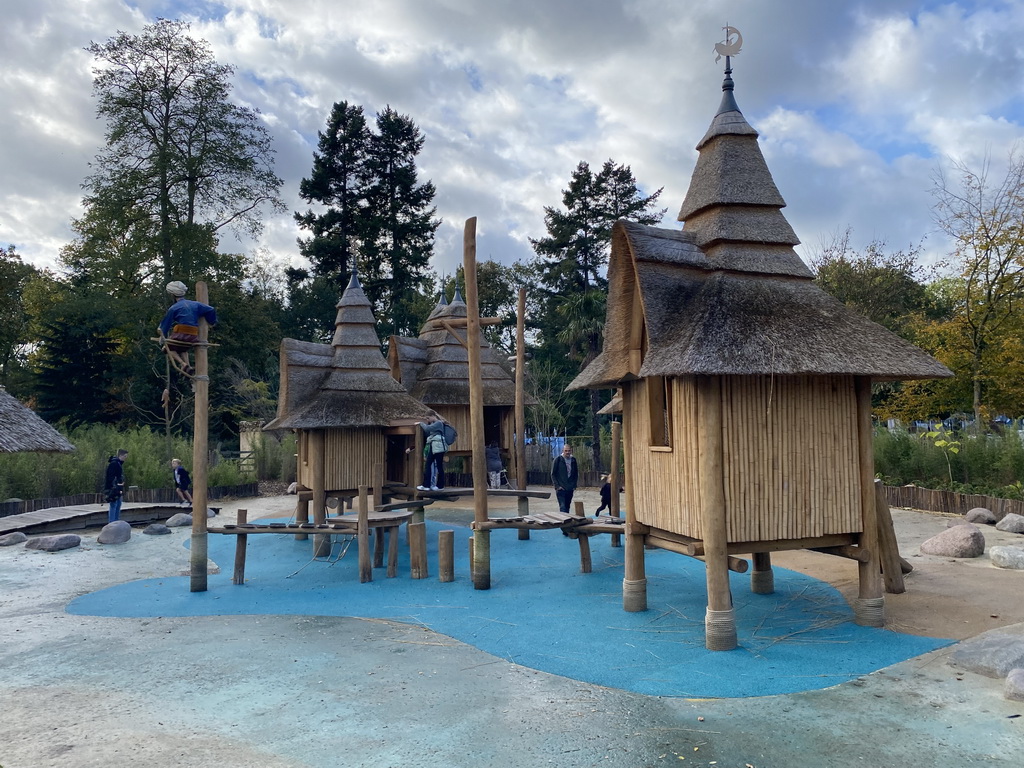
[659, 408]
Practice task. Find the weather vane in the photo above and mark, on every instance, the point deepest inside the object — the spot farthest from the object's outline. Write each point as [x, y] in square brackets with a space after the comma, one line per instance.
[731, 46]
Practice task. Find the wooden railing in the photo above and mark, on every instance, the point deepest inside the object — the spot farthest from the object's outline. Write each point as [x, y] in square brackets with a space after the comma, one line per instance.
[952, 502]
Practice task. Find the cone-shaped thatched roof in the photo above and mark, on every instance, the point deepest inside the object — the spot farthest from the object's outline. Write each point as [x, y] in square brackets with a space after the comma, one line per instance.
[728, 295]
[435, 366]
[22, 430]
[346, 383]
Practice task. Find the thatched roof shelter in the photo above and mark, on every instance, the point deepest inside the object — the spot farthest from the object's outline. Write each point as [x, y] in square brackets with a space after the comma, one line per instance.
[346, 383]
[434, 368]
[22, 430]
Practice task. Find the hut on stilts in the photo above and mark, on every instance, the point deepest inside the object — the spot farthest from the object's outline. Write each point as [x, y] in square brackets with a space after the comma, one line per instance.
[434, 369]
[351, 416]
[746, 389]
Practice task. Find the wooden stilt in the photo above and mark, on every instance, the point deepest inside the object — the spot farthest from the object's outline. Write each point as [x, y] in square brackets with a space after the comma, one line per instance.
[613, 476]
[586, 562]
[523, 509]
[241, 541]
[302, 499]
[199, 552]
[634, 581]
[762, 578]
[321, 542]
[363, 536]
[393, 551]
[446, 556]
[888, 547]
[417, 544]
[719, 623]
[869, 606]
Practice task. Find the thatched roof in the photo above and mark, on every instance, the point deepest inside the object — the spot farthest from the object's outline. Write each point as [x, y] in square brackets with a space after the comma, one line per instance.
[435, 367]
[728, 295]
[346, 383]
[21, 430]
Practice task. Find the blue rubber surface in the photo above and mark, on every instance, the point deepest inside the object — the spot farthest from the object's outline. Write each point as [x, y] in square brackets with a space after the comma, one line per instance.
[542, 613]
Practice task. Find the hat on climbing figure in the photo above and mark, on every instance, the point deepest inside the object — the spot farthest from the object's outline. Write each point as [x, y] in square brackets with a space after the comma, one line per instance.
[177, 289]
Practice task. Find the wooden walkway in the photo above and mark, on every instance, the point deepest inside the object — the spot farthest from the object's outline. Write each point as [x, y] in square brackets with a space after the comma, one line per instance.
[59, 519]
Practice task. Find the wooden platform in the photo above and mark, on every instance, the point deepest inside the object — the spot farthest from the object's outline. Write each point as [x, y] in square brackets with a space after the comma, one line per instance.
[538, 521]
[59, 519]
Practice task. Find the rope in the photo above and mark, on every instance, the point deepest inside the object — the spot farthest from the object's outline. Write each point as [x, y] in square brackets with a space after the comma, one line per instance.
[719, 630]
[869, 611]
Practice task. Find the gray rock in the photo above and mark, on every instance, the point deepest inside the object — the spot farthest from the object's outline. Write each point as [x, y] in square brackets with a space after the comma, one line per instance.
[156, 529]
[993, 653]
[54, 543]
[1007, 557]
[10, 539]
[1014, 689]
[1011, 523]
[959, 541]
[117, 532]
[179, 520]
[980, 515]
[958, 521]
[211, 513]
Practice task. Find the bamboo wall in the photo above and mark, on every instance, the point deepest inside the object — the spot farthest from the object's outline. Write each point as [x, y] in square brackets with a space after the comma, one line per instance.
[790, 458]
[350, 455]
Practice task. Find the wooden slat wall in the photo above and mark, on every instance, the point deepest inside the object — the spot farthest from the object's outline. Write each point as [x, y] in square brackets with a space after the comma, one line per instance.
[458, 417]
[790, 449]
[351, 455]
[791, 457]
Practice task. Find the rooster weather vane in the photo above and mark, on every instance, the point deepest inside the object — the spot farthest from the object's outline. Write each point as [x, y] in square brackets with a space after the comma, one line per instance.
[731, 46]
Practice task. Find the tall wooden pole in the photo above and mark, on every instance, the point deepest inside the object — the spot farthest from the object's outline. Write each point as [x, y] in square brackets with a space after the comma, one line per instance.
[520, 445]
[520, 407]
[719, 621]
[481, 565]
[869, 607]
[201, 433]
[613, 477]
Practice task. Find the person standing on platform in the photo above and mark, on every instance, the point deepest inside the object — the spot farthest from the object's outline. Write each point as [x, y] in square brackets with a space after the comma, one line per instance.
[182, 482]
[113, 484]
[565, 474]
[494, 465]
[434, 449]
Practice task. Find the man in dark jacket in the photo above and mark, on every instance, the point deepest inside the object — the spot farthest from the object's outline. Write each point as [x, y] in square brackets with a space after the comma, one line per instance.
[565, 474]
[113, 484]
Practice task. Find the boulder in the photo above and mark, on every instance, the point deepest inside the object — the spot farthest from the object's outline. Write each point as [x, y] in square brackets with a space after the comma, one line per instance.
[10, 539]
[179, 520]
[959, 541]
[1011, 523]
[117, 532]
[1007, 557]
[156, 529]
[980, 515]
[1014, 689]
[54, 543]
[957, 521]
[992, 654]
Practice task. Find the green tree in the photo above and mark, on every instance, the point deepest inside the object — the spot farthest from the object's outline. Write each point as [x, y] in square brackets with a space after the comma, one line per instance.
[338, 184]
[573, 260]
[986, 223]
[14, 319]
[181, 161]
[400, 226]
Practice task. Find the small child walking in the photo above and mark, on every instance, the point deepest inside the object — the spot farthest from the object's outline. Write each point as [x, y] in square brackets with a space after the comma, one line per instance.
[182, 482]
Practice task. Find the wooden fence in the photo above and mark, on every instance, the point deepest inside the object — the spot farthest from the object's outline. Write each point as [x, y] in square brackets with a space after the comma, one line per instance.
[952, 502]
[149, 495]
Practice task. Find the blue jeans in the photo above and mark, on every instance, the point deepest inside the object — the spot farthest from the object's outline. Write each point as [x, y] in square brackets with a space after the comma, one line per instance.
[564, 496]
[115, 510]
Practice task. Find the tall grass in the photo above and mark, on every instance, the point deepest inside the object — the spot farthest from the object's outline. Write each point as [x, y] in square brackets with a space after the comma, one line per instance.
[44, 475]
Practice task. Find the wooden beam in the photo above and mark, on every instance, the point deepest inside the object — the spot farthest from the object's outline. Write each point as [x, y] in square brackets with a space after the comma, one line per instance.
[199, 552]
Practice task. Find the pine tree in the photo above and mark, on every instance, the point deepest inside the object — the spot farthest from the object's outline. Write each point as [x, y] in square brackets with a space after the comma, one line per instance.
[338, 183]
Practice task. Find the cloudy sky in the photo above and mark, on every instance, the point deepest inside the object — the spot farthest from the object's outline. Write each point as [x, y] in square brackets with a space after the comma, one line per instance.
[857, 103]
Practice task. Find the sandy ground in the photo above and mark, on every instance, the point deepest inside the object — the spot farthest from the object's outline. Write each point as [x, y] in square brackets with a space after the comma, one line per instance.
[314, 691]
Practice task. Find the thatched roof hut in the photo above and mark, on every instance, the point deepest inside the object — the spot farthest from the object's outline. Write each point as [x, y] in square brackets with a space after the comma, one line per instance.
[746, 389]
[22, 430]
[434, 369]
[344, 394]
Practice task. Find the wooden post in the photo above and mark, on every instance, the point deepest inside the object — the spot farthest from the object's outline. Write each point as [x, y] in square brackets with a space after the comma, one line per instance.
[392, 551]
[719, 621]
[417, 550]
[201, 432]
[634, 579]
[762, 578]
[889, 550]
[241, 541]
[363, 536]
[482, 551]
[613, 476]
[321, 542]
[869, 606]
[301, 511]
[586, 563]
[520, 407]
[446, 555]
[378, 498]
